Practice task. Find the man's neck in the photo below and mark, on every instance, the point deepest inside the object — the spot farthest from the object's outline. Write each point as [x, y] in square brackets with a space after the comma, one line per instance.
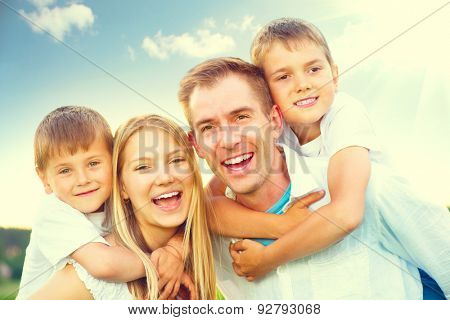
[272, 188]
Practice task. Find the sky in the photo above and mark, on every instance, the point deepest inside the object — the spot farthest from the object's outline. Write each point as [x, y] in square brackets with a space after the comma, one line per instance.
[126, 58]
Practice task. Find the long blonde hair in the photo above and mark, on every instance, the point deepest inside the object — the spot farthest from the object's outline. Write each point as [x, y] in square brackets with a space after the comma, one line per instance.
[197, 241]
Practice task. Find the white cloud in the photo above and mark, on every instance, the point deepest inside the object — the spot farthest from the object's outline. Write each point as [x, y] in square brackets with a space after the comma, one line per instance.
[42, 3]
[202, 44]
[61, 20]
[209, 23]
[131, 53]
[153, 49]
[246, 24]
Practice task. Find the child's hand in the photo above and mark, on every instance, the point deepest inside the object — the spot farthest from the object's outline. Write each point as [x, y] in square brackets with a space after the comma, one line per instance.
[249, 259]
[187, 289]
[298, 210]
[170, 266]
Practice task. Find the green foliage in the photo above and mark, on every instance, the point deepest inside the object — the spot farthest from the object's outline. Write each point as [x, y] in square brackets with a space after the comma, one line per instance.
[13, 243]
[8, 289]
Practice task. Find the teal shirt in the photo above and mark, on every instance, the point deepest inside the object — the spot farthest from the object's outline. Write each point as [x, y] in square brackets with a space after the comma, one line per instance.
[277, 208]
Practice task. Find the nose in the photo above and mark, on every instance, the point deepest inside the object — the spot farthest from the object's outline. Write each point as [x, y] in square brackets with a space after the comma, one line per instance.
[230, 136]
[164, 177]
[302, 83]
[82, 177]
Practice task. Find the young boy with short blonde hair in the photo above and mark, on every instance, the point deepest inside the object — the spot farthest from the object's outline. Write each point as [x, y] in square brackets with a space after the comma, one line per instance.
[73, 150]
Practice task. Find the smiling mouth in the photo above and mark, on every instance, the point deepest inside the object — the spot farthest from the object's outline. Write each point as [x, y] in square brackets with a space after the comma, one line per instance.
[168, 201]
[306, 103]
[87, 193]
[238, 163]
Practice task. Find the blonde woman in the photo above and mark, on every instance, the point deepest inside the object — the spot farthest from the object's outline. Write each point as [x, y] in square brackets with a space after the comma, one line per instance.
[157, 188]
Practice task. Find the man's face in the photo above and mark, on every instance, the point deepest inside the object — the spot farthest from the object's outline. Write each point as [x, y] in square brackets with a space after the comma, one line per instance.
[234, 134]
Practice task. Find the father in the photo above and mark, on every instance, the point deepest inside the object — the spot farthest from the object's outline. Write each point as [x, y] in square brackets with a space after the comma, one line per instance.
[235, 127]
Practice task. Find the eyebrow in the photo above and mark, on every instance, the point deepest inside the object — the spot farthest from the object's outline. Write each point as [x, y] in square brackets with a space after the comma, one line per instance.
[66, 164]
[232, 113]
[307, 64]
[148, 158]
[239, 110]
[199, 123]
[60, 165]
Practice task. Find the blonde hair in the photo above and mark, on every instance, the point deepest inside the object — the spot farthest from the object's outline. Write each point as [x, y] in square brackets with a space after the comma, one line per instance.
[197, 241]
[287, 31]
[69, 129]
[209, 72]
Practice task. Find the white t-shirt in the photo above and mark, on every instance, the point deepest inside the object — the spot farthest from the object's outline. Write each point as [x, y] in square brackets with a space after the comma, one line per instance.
[357, 267]
[58, 230]
[346, 124]
[412, 227]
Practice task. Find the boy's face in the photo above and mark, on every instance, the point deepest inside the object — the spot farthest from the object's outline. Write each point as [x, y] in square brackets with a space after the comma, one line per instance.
[301, 81]
[82, 180]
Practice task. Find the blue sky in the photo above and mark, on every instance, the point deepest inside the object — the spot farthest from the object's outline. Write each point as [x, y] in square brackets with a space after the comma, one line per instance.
[149, 45]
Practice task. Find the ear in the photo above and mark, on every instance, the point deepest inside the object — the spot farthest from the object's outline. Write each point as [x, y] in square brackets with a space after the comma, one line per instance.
[44, 180]
[335, 73]
[276, 120]
[123, 192]
[193, 141]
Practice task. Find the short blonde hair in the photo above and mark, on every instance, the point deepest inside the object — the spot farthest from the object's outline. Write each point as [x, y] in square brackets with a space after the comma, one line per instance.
[197, 241]
[69, 129]
[209, 72]
[287, 31]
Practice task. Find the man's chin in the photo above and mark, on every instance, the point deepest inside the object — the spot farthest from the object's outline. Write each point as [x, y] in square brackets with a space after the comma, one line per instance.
[241, 187]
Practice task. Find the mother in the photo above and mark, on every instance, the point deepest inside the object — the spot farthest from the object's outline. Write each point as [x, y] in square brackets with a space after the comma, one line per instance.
[157, 187]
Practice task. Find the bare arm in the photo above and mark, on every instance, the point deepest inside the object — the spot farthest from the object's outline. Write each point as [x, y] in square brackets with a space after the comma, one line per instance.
[348, 175]
[169, 263]
[234, 220]
[63, 285]
[110, 263]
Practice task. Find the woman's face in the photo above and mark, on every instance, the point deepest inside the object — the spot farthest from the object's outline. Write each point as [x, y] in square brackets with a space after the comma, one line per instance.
[157, 178]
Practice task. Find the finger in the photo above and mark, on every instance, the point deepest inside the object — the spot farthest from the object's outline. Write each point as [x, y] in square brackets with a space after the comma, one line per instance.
[162, 282]
[187, 282]
[237, 270]
[235, 256]
[309, 199]
[193, 293]
[175, 290]
[250, 278]
[167, 291]
[239, 246]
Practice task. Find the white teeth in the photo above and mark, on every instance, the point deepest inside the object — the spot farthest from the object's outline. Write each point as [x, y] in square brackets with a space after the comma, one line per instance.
[305, 101]
[238, 159]
[167, 195]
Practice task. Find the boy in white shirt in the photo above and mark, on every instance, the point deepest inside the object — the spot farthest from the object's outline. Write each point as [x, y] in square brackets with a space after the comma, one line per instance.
[73, 148]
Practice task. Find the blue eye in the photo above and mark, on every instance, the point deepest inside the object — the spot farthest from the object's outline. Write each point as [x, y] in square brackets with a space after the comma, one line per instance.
[142, 167]
[206, 128]
[178, 160]
[241, 117]
[94, 163]
[64, 171]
